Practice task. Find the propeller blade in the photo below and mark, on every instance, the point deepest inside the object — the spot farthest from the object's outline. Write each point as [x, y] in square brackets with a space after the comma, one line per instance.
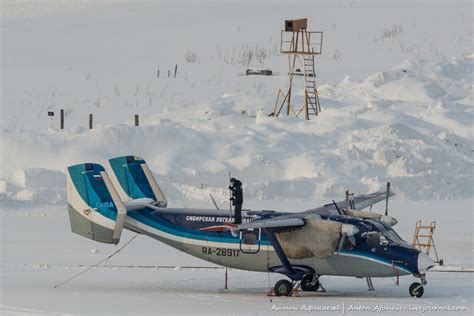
[341, 242]
[352, 240]
[347, 231]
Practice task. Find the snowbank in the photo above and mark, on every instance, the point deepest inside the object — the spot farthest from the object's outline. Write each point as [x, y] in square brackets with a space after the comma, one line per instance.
[410, 124]
[34, 186]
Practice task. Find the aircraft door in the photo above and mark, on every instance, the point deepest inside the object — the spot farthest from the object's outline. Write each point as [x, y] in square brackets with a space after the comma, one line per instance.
[250, 240]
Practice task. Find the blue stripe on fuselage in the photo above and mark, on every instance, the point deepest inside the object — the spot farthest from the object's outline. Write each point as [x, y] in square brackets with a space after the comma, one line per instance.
[155, 220]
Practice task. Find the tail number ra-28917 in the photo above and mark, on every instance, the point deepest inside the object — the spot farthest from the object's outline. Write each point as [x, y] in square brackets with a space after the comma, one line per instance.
[220, 251]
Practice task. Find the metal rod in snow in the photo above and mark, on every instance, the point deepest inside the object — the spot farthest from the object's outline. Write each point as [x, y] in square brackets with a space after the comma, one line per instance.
[61, 112]
[90, 121]
[137, 121]
[175, 70]
[225, 283]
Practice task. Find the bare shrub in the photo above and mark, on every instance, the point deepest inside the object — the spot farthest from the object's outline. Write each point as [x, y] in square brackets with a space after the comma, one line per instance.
[261, 54]
[191, 57]
[391, 32]
[246, 56]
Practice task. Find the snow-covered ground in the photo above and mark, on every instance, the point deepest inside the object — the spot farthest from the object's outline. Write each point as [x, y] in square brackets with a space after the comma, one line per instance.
[40, 252]
[395, 81]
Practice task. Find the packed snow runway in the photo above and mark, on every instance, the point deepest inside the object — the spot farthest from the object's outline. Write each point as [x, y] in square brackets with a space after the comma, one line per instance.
[150, 292]
[39, 252]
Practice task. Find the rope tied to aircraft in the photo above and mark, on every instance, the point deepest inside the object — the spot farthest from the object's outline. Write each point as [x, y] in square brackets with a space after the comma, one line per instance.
[98, 263]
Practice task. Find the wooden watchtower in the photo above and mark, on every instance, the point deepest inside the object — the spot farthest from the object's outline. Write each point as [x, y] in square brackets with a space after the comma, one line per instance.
[301, 46]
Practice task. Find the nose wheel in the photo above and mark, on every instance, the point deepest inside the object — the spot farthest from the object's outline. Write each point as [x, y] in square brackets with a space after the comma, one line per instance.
[416, 289]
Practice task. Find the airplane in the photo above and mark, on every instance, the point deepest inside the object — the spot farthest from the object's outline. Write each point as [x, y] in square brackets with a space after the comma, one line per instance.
[335, 239]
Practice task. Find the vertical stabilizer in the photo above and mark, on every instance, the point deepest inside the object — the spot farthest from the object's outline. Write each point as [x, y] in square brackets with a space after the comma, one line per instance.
[95, 208]
[134, 180]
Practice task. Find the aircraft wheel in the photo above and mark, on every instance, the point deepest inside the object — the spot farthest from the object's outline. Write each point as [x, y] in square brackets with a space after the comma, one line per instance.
[283, 288]
[416, 289]
[306, 284]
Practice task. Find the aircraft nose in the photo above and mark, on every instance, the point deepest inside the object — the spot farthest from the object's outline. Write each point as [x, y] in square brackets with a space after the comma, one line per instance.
[424, 263]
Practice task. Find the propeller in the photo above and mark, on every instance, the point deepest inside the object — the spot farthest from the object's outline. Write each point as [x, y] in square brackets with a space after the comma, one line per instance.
[347, 231]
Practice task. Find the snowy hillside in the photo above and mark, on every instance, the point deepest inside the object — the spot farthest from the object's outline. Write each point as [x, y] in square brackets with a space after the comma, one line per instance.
[395, 108]
[395, 80]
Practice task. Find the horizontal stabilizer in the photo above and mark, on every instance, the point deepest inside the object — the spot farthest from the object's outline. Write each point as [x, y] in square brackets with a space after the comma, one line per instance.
[138, 204]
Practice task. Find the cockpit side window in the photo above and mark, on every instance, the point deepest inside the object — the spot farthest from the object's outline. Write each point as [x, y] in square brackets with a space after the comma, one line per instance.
[373, 238]
[394, 237]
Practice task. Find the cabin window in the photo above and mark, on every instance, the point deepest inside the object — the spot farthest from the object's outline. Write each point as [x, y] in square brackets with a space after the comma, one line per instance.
[250, 238]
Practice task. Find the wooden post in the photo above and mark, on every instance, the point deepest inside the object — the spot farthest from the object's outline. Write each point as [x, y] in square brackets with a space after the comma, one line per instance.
[136, 120]
[175, 70]
[61, 118]
[90, 120]
[169, 73]
[158, 73]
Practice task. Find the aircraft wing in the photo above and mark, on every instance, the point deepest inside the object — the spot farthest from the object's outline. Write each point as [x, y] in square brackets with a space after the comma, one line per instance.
[360, 202]
[298, 219]
[273, 223]
[366, 200]
[289, 220]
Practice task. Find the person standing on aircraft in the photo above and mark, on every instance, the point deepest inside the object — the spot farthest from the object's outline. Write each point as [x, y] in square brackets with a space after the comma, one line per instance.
[237, 199]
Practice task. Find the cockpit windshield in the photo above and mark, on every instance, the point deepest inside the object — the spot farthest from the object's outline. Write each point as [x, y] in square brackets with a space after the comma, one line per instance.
[389, 234]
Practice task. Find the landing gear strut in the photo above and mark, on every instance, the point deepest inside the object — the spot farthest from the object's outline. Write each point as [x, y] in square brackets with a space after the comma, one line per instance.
[309, 283]
[416, 289]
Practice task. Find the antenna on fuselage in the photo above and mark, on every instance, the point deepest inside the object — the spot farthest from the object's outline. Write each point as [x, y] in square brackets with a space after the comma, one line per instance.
[386, 198]
[337, 208]
[214, 202]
